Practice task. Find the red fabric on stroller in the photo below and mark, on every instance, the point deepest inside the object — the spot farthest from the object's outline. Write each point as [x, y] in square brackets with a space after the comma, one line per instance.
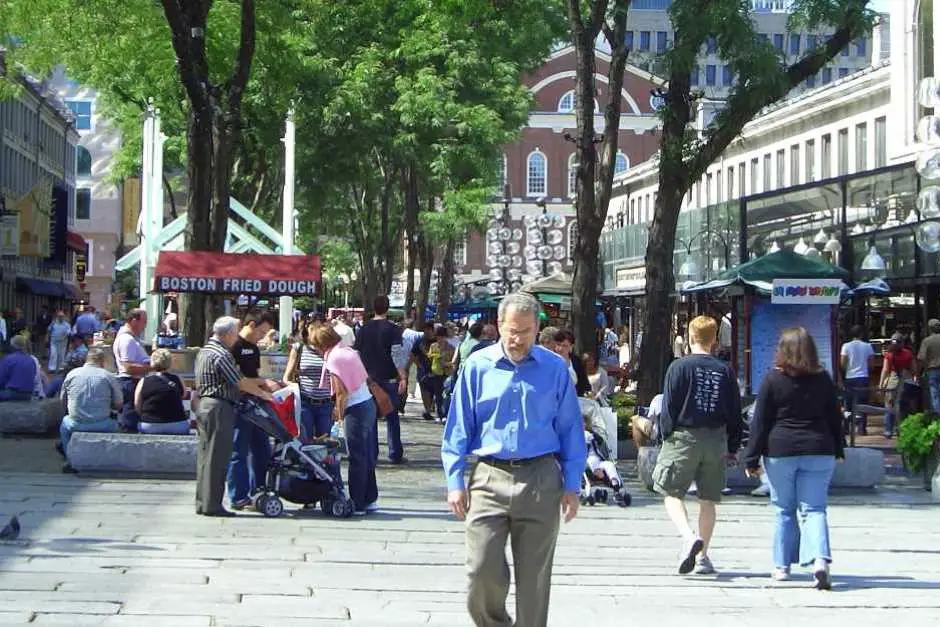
[285, 412]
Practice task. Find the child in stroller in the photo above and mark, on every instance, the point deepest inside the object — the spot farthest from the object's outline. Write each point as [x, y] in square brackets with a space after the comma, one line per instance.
[601, 480]
[306, 474]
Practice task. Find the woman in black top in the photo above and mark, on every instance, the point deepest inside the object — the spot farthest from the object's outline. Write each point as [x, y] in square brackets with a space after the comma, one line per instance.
[159, 398]
[797, 429]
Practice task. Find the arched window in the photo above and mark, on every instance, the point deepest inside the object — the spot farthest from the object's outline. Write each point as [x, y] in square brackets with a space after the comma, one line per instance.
[82, 161]
[566, 103]
[536, 173]
[572, 239]
[622, 163]
[572, 175]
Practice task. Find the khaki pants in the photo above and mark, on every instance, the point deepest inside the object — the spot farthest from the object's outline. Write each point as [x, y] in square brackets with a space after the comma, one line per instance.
[216, 430]
[521, 504]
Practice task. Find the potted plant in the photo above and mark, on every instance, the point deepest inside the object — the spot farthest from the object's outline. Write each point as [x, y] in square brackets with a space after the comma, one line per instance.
[919, 444]
[624, 405]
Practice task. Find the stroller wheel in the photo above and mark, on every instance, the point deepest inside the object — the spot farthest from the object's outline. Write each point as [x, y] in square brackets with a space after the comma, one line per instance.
[273, 507]
[583, 500]
[601, 496]
[326, 506]
[625, 500]
[259, 503]
[591, 501]
[340, 507]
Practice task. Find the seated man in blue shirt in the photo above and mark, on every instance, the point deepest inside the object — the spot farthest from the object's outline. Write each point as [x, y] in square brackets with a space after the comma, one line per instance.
[515, 408]
[17, 372]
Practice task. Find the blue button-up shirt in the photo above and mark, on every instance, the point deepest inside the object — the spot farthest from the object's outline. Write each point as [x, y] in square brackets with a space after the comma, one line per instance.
[18, 372]
[514, 411]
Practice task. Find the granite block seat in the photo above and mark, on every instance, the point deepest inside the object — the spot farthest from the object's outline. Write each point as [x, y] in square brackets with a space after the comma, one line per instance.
[38, 416]
[133, 453]
[862, 468]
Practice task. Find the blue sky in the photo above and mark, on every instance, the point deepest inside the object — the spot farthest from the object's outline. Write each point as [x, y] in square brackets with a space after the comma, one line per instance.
[880, 5]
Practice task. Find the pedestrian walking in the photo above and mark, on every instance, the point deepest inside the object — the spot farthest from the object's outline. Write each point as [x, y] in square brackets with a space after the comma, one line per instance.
[797, 430]
[59, 331]
[381, 346]
[701, 426]
[515, 408]
[897, 369]
[929, 358]
[218, 384]
[856, 357]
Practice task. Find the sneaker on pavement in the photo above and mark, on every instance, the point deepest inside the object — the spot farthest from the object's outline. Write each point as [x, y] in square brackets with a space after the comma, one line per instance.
[761, 490]
[726, 491]
[360, 512]
[372, 507]
[703, 566]
[780, 574]
[427, 416]
[241, 505]
[821, 575]
[690, 550]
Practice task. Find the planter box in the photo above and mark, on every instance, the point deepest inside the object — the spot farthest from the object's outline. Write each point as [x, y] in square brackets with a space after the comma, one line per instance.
[626, 449]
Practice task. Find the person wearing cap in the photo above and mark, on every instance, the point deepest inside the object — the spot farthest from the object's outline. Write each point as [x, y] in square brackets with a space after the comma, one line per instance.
[929, 359]
[898, 367]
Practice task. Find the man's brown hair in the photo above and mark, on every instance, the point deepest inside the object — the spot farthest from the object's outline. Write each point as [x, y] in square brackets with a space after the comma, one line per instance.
[796, 353]
[703, 331]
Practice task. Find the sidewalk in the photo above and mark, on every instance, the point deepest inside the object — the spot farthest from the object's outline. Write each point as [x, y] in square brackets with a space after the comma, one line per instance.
[131, 552]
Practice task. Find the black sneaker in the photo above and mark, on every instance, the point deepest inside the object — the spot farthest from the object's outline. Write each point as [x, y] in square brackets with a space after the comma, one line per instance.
[60, 450]
[398, 462]
[427, 416]
[67, 469]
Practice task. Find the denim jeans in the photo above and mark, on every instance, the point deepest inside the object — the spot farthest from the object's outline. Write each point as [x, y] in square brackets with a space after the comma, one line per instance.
[933, 385]
[70, 426]
[248, 465]
[316, 419]
[360, 425]
[799, 491]
[392, 426]
[164, 428]
[856, 392]
[435, 384]
[128, 418]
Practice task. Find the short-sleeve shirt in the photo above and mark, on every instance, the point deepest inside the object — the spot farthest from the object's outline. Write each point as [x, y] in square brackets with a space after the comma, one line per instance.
[217, 373]
[248, 357]
[127, 348]
[930, 352]
[90, 393]
[374, 343]
[901, 362]
[857, 352]
[310, 374]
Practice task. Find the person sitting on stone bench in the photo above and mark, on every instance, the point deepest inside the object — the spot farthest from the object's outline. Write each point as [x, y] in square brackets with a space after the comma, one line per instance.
[91, 395]
[159, 398]
[18, 372]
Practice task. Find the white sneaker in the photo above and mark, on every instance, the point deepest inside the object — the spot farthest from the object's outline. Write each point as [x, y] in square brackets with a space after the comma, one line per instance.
[780, 574]
[372, 507]
[690, 550]
[761, 490]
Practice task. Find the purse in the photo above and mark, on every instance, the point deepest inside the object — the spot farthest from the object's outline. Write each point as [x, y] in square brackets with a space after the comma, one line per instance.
[383, 402]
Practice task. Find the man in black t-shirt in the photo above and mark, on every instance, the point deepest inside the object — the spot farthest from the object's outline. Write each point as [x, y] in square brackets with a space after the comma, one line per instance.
[701, 426]
[251, 448]
[381, 348]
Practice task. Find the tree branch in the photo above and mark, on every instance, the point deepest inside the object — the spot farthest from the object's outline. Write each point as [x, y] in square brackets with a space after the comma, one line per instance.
[235, 86]
[616, 37]
[190, 59]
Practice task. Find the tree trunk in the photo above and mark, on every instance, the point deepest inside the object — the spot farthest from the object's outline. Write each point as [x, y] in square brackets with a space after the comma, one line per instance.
[411, 233]
[424, 286]
[446, 280]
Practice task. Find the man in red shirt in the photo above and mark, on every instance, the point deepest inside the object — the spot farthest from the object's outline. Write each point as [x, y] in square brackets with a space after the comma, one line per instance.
[898, 367]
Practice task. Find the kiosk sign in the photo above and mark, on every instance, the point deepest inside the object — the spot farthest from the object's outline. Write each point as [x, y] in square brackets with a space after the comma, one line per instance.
[253, 287]
[806, 292]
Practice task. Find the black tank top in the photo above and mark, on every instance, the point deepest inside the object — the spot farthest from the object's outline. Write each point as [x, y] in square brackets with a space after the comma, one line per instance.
[161, 398]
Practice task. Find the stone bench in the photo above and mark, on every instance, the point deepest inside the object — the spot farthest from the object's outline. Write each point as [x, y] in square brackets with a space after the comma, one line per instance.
[133, 453]
[39, 416]
[862, 468]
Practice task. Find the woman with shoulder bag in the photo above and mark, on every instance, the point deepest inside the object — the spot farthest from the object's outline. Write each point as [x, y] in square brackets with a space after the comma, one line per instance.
[356, 408]
[797, 429]
[898, 367]
[305, 363]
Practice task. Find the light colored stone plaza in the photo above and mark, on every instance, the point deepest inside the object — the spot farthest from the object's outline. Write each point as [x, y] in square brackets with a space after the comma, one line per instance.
[100, 551]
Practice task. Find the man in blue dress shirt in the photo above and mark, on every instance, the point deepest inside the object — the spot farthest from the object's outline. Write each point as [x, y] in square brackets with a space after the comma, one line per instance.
[514, 407]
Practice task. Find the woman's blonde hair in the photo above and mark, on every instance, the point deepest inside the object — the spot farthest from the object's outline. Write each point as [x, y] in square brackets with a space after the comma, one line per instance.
[324, 337]
[161, 360]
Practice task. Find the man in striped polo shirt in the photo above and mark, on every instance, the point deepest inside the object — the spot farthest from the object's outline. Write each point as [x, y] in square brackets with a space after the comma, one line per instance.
[218, 384]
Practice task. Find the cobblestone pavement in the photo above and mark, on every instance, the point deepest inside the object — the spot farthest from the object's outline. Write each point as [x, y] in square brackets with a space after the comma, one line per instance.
[100, 551]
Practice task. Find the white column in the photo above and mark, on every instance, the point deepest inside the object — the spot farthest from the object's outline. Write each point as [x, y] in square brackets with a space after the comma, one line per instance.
[286, 316]
[155, 222]
[144, 225]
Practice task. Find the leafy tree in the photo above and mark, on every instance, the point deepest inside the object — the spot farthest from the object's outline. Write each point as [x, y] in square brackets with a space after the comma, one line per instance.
[596, 156]
[763, 77]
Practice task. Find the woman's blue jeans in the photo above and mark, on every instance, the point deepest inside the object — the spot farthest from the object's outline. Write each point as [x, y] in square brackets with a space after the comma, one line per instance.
[316, 418]
[799, 492]
[360, 480]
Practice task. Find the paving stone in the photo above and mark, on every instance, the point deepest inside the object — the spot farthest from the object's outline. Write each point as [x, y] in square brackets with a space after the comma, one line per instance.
[15, 618]
[121, 620]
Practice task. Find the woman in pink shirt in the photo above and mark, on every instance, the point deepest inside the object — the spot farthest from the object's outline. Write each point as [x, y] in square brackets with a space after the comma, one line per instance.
[356, 408]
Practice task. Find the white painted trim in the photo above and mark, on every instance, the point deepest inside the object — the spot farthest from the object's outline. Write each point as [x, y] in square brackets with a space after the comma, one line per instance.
[528, 188]
[602, 55]
[571, 181]
[628, 122]
[548, 80]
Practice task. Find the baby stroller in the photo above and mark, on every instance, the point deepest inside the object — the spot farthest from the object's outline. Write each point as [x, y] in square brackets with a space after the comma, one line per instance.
[610, 487]
[305, 474]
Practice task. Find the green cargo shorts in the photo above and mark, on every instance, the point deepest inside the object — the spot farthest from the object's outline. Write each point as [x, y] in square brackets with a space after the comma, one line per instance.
[692, 455]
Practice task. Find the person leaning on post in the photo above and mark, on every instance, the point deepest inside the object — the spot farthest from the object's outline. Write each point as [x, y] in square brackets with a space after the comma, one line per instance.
[218, 385]
[515, 408]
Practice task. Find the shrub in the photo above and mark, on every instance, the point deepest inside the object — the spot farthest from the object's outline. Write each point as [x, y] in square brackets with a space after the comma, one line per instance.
[918, 435]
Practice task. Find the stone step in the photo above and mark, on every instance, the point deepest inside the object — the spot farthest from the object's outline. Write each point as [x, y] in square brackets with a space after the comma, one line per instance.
[37, 416]
[133, 453]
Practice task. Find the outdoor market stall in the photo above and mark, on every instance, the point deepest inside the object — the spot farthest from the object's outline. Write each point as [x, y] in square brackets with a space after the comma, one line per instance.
[774, 292]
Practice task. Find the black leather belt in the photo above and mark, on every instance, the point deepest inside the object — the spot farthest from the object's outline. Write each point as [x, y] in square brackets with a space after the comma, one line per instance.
[317, 401]
[515, 463]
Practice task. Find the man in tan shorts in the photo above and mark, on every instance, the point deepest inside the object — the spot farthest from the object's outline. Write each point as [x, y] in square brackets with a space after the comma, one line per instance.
[701, 426]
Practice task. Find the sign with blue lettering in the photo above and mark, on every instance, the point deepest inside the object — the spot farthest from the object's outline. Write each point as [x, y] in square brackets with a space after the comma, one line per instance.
[806, 292]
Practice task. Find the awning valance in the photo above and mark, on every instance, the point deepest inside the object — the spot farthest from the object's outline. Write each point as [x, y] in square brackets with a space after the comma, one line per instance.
[235, 273]
[76, 242]
[40, 287]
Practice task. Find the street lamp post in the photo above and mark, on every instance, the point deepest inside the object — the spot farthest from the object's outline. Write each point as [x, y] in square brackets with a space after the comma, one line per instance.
[689, 269]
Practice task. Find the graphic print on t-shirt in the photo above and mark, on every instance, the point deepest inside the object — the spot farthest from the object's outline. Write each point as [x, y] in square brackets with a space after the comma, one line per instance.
[707, 389]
